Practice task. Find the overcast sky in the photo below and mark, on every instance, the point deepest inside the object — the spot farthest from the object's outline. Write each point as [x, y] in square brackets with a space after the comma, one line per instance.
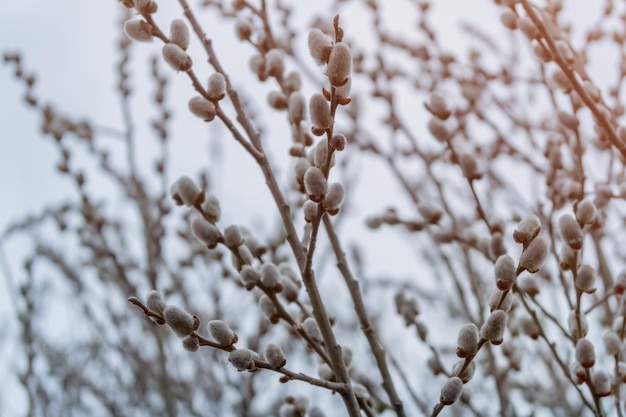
[70, 46]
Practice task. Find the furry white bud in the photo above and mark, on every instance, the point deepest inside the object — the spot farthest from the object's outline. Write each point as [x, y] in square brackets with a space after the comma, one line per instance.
[467, 341]
[334, 198]
[339, 64]
[275, 356]
[206, 232]
[155, 303]
[585, 279]
[187, 191]
[176, 57]
[221, 333]
[527, 230]
[319, 110]
[585, 353]
[505, 272]
[451, 391]
[311, 328]
[315, 184]
[179, 320]
[179, 33]
[241, 359]
[202, 108]
[571, 231]
[233, 237]
[534, 255]
[216, 89]
[296, 106]
[320, 46]
[493, 329]
[138, 30]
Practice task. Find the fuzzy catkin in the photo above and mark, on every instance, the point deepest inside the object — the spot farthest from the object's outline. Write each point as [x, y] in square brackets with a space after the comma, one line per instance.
[179, 33]
[221, 332]
[505, 272]
[315, 184]
[176, 57]
[534, 255]
[585, 353]
[451, 391]
[179, 320]
[138, 30]
[571, 232]
[319, 46]
[319, 111]
[275, 356]
[467, 341]
[493, 329]
[155, 303]
[339, 64]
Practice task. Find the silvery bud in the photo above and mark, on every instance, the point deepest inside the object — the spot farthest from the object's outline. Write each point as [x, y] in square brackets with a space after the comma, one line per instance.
[206, 232]
[311, 328]
[429, 212]
[601, 383]
[249, 277]
[339, 64]
[585, 279]
[578, 373]
[190, 343]
[274, 63]
[181, 322]
[325, 372]
[243, 29]
[178, 59]
[270, 275]
[319, 110]
[571, 231]
[320, 154]
[233, 237]
[439, 130]
[334, 198]
[211, 208]
[277, 100]
[275, 356]
[320, 46]
[216, 89]
[222, 333]
[179, 33]
[505, 272]
[451, 391]
[612, 343]
[315, 184]
[529, 327]
[572, 324]
[185, 191]
[585, 353]
[202, 108]
[469, 166]
[155, 303]
[241, 359]
[438, 105]
[139, 30]
[467, 375]
[569, 258]
[493, 329]
[268, 309]
[296, 106]
[290, 289]
[338, 142]
[534, 255]
[527, 230]
[467, 341]
[310, 211]
[585, 211]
